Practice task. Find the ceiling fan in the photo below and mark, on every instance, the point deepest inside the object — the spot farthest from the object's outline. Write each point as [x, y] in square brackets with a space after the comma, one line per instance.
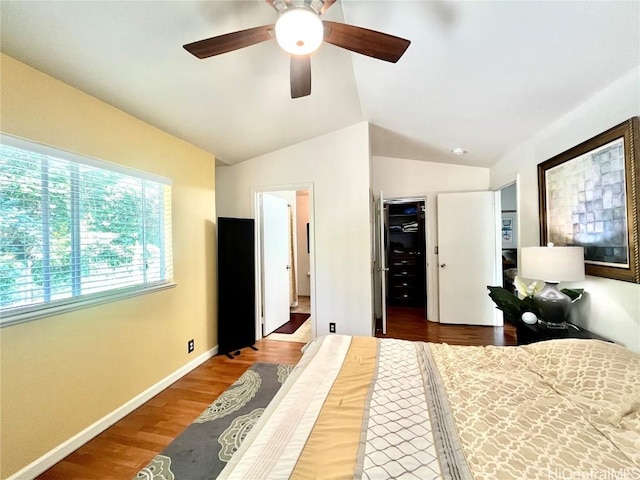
[299, 31]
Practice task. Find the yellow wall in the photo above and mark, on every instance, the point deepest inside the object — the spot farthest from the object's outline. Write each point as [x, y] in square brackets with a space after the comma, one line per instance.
[62, 373]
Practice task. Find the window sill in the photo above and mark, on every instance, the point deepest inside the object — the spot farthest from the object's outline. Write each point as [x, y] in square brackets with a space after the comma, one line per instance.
[48, 311]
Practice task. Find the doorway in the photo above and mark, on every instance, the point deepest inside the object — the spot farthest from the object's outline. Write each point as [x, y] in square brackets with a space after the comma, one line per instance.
[404, 243]
[284, 264]
[509, 234]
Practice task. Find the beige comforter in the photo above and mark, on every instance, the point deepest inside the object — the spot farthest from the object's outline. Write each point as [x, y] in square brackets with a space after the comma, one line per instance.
[368, 408]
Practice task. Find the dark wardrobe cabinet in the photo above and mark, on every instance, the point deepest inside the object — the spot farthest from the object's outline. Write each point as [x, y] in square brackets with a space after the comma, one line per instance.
[236, 284]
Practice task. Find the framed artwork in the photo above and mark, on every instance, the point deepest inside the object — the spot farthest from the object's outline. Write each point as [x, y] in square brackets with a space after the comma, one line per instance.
[509, 230]
[588, 196]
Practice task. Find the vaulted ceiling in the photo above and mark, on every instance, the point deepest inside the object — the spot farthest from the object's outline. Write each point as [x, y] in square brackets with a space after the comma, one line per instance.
[483, 76]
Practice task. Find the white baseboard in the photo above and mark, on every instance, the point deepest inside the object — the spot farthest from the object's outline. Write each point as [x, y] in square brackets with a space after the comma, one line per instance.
[56, 454]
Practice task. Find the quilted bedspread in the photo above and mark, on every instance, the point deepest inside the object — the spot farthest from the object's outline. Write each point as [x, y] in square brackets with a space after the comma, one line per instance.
[358, 407]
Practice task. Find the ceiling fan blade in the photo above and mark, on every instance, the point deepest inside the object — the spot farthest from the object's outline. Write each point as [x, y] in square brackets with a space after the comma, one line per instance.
[300, 76]
[327, 4]
[229, 42]
[364, 41]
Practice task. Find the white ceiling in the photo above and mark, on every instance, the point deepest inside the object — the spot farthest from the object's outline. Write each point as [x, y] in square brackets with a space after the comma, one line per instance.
[479, 75]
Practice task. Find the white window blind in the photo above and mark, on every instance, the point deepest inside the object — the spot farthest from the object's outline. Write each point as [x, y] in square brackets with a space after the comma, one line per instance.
[74, 229]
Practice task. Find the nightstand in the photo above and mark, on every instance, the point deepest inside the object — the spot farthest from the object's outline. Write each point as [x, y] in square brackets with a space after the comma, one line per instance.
[537, 333]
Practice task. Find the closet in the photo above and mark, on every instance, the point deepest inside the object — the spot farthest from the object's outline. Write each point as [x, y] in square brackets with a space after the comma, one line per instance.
[405, 252]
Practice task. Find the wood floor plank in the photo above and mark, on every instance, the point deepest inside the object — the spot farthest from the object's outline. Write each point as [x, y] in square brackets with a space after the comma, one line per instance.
[409, 323]
[127, 446]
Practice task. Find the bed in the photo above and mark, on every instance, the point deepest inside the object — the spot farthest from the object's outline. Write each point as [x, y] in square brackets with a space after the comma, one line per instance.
[357, 407]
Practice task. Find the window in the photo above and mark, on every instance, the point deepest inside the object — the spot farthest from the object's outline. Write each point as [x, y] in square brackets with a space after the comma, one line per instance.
[77, 231]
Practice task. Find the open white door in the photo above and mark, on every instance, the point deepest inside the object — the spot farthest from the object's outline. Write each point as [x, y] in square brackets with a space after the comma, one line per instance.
[467, 256]
[382, 262]
[380, 268]
[275, 260]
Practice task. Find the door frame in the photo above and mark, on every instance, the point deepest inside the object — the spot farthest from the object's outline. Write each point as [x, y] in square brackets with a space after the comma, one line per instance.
[381, 277]
[517, 183]
[498, 189]
[256, 213]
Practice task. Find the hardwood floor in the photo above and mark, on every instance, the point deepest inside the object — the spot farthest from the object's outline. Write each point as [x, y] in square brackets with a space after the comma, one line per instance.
[409, 323]
[123, 449]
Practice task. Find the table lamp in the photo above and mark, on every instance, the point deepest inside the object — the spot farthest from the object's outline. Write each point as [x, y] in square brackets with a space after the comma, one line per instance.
[552, 265]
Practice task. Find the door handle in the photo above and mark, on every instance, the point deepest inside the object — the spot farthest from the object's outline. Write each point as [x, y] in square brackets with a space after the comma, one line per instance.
[443, 265]
[288, 267]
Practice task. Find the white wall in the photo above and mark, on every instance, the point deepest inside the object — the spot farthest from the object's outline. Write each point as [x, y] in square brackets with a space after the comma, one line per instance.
[508, 198]
[337, 167]
[398, 177]
[612, 308]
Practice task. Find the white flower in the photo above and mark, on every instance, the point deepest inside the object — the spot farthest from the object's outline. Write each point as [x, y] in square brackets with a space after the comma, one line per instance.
[525, 290]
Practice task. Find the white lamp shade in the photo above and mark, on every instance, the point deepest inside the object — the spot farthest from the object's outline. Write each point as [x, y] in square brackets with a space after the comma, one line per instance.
[552, 264]
[299, 31]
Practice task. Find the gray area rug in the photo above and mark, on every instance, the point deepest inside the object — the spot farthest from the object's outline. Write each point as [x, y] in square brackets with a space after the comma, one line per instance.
[205, 447]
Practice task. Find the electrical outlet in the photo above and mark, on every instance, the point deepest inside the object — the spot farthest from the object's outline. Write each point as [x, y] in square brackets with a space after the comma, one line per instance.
[332, 328]
[190, 346]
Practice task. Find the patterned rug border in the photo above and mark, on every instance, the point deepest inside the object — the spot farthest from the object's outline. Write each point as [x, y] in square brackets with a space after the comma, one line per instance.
[202, 450]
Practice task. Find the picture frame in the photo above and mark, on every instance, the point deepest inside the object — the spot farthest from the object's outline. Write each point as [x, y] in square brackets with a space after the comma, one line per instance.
[509, 229]
[588, 196]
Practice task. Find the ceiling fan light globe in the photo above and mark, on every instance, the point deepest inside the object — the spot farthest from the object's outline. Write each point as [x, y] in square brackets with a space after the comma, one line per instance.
[299, 31]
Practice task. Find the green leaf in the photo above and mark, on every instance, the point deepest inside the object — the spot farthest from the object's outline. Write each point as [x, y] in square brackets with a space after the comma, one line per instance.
[505, 300]
[573, 293]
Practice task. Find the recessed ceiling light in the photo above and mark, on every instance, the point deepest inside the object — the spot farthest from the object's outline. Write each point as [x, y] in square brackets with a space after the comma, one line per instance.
[458, 151]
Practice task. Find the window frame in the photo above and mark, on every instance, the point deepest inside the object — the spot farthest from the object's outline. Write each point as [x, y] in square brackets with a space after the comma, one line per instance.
[20, 314]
